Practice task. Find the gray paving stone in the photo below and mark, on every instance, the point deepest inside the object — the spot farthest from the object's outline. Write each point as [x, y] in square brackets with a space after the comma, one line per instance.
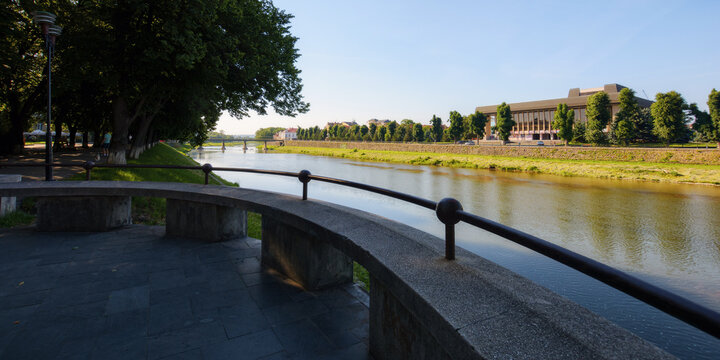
[133, 293]
[128, 299]
[302, 337]
[250, 346]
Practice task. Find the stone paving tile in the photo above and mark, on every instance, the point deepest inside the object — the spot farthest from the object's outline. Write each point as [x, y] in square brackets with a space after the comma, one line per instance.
[134, 294]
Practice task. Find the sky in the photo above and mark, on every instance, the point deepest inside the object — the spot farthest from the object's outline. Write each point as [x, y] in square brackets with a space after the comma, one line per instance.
[399, 60]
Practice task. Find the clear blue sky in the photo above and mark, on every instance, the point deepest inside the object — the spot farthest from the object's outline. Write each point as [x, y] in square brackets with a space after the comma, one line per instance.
[412, 59]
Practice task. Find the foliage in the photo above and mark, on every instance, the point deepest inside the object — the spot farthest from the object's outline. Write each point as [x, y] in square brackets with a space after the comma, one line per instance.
[392, 127]
[504, 122]
[578, 135]
[437, 130]
[476, 124]
[668, 116]
[598, 117]
[563, 122]
[16, 218]
[267, 133]
[714, 106]
[418, 133]
[624, 127]
[456, 129]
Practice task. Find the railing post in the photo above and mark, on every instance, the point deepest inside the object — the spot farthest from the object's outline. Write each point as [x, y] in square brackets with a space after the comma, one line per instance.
[446, 211]
[304, 177]
[207, 168]
[88, 165]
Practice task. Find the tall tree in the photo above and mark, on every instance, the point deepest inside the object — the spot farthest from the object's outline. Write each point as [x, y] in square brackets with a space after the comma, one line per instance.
[702, 122]
[598, 117]
[437, 129]
[624, 127]
[418, 133]
[382, 130]
[456, 125]
[714, 107]
[504, 122]
[23, 71]
[668, 116]
[392, 126]
[563, 122]
[476, 124]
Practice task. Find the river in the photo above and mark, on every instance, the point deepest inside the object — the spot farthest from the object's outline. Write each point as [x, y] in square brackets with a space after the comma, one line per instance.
[667, 234]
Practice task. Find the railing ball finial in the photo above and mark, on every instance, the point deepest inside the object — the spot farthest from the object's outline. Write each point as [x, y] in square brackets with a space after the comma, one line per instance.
[446, 211]
[304, 176]
[88, 165]
[207, 168]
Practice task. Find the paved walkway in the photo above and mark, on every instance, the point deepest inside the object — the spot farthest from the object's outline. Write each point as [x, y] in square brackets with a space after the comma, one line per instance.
[36, 154]
[135, 294]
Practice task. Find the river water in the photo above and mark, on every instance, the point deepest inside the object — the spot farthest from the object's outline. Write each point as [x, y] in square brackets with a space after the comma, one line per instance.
[667, 234]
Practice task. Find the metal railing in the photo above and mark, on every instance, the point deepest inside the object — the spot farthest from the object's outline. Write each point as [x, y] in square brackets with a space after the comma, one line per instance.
[449, 211]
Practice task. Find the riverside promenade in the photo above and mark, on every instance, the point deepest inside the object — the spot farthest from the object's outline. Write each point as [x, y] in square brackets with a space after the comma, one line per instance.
[135, 293]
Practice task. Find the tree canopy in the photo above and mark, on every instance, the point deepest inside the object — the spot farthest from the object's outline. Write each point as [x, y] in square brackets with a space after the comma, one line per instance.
[476, 124]
[437, 130]
[598, 117]
[169, 68]
[456, 125]
[504, 122]
[563, 122]
[714, 107]
[668, 116]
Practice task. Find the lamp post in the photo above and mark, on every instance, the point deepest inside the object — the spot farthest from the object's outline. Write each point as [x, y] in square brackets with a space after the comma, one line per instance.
[46, 21]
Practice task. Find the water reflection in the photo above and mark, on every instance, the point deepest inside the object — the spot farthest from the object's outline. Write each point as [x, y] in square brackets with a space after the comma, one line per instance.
[668, 234]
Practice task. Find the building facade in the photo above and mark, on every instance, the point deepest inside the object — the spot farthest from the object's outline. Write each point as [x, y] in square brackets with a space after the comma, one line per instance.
[534, 118]
[288, 134]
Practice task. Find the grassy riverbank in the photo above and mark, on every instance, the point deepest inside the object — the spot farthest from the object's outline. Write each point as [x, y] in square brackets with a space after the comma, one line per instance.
[625, 170]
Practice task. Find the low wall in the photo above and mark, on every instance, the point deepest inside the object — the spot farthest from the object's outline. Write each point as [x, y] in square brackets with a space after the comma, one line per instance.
[422, 306]
[653, 155]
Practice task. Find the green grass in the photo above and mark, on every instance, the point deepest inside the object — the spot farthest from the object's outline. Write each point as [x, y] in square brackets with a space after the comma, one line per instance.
[626, 170]
[254, 225]
[16, 218]
[361, 276]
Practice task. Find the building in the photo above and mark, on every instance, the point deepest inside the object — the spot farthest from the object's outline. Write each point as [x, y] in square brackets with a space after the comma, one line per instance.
[287, 134]
[346, 124]
[534, 118]
[378, 122]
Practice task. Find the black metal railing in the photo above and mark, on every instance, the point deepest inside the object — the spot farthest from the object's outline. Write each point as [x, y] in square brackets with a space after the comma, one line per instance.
[449, 211]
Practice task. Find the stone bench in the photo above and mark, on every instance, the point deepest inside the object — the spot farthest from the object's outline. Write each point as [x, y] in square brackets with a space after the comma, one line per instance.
[421, 305]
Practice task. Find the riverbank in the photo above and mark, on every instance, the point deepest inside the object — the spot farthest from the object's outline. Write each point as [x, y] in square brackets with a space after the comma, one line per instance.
[709, 156]
[622, 170]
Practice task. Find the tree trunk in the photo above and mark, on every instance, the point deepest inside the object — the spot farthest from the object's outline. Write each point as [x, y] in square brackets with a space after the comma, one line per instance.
[97, 136]
[58, 135]
[71, 138]
[121, 125]
[567, 142]
[85, 139]
[12, 142]
[139, 142]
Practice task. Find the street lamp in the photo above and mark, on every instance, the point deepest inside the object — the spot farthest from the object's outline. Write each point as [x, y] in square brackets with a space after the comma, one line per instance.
[46, 21]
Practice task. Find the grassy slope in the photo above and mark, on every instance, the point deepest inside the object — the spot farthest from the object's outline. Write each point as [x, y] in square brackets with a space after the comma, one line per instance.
[665, 172]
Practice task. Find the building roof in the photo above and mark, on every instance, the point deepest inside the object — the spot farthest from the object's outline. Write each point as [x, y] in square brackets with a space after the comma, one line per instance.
[577, 98]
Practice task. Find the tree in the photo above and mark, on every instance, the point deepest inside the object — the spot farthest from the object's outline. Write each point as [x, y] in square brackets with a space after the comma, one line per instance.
[363, 131]
[563, 122]
[476, 124]
[381, 133]
[579, 133]
[714, 107]
[418, 133]
[702, 122]
[372, 130]
[392, 126]
[504, 122]
[456, 125]
[23, 73]
[668, 116]
[598, 117]
[437, 130]
[624, 128]
[267, 133]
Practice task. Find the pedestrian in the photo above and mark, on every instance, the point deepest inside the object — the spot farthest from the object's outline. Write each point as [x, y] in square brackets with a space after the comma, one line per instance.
[106, 144]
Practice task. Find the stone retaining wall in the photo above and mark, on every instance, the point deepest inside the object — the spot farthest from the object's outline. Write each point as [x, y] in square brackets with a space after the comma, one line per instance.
[659, 155]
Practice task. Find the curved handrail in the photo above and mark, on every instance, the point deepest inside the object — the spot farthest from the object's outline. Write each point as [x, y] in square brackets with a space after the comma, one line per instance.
[449, 211]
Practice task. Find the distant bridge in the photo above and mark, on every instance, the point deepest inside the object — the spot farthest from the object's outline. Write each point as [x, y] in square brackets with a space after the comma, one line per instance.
[245, 141]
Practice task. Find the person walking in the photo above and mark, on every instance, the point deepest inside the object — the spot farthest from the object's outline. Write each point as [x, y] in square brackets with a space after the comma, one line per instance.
[106, 144]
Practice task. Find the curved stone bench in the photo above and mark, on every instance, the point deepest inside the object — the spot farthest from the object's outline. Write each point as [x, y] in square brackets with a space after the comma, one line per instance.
[421, 305]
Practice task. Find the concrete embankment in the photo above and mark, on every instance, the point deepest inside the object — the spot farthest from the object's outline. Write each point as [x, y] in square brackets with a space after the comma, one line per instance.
[651, 155]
